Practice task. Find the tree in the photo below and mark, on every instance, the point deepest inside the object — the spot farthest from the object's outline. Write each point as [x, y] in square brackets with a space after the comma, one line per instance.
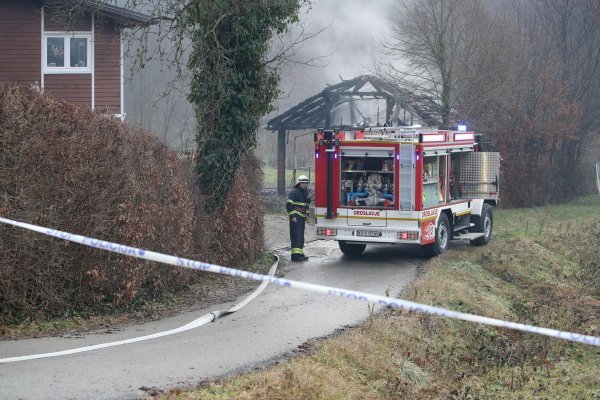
[232, 87]
[225, 48]
[523, 106]
[571, 33]
[433, 40]
[497, 68]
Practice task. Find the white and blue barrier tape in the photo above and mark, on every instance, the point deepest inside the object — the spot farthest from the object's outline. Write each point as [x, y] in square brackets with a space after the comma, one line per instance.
[326, 290]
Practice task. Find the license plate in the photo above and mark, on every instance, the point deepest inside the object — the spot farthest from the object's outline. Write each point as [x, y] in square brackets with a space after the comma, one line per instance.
[368, 233]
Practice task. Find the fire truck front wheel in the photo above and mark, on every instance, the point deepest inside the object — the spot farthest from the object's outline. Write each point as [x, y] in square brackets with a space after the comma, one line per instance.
[442, 237]
[351, 249]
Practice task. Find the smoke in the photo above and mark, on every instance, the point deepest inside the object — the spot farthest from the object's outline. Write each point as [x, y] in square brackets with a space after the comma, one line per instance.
[346, 47]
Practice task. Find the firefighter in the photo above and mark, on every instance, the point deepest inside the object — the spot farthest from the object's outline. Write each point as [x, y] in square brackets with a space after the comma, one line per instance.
[297, 209]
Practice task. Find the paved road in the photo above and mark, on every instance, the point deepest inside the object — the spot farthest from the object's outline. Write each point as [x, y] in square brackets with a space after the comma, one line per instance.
[276, 323]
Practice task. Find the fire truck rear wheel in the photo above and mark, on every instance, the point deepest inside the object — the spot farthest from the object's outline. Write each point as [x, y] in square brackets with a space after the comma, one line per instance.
[442, 237]
[483, 224]
[351, 249]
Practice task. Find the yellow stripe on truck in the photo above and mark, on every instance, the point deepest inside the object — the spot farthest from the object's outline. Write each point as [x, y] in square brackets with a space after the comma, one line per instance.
[460, 214]
[384, 219]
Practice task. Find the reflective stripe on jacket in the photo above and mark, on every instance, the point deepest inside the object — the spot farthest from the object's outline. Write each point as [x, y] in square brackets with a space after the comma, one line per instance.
[298, 203]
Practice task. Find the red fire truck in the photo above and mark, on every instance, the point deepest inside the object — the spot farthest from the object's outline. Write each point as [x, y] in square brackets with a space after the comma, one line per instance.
[404, 185]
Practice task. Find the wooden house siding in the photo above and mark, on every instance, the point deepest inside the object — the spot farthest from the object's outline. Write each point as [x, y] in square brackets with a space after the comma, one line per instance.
[54, 23]
[107, 67]
[22, 51]
[20, 41]
[75, 88]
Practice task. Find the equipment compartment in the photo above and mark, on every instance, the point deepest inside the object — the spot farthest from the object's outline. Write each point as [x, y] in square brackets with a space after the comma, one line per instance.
[367, 179]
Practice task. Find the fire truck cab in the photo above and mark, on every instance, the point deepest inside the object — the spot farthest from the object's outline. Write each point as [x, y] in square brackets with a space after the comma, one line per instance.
[408, 185]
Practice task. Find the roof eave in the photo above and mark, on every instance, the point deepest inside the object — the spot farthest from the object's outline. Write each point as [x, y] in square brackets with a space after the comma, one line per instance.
[125, 17]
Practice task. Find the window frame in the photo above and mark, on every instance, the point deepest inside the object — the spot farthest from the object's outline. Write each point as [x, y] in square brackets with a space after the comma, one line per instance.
[67, 56]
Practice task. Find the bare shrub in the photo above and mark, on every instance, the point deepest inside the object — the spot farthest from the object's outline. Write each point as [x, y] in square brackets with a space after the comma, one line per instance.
[70, 169]
[239, 224]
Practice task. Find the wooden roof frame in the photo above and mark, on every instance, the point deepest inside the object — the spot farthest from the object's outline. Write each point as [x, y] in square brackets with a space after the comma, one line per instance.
[315, 112]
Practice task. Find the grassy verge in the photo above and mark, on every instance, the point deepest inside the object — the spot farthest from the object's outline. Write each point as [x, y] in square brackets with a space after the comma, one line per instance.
[542, 268]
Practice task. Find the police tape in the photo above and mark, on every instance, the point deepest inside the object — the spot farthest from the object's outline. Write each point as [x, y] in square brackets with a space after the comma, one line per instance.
[326, 290]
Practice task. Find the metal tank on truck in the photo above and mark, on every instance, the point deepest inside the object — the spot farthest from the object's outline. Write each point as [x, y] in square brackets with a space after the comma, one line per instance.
[407, 185]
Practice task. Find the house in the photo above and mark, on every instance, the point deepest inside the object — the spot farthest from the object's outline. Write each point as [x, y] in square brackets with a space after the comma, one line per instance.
[77, 57]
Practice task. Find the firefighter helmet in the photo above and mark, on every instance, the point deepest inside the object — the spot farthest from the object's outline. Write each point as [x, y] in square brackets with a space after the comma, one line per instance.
[302, 179]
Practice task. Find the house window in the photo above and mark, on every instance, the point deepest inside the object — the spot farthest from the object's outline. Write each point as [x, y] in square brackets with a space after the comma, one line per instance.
[67, 53]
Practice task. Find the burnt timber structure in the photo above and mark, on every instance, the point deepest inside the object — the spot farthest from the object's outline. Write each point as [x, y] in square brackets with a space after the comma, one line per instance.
[401, 108]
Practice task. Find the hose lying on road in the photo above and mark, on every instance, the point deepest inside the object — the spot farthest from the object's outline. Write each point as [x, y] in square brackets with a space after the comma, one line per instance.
[203, 320]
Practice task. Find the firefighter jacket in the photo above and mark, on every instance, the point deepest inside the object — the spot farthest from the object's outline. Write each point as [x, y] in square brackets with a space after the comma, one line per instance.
[297, 204]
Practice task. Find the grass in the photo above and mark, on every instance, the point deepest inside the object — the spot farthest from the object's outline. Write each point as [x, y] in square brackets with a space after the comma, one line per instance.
[270, 175]
[541, 269]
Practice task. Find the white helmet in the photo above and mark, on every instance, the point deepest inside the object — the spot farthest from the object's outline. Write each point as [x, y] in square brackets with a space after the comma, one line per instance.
[302, 179]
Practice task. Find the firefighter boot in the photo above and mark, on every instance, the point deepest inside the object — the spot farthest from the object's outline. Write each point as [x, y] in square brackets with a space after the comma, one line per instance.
[299, 257]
